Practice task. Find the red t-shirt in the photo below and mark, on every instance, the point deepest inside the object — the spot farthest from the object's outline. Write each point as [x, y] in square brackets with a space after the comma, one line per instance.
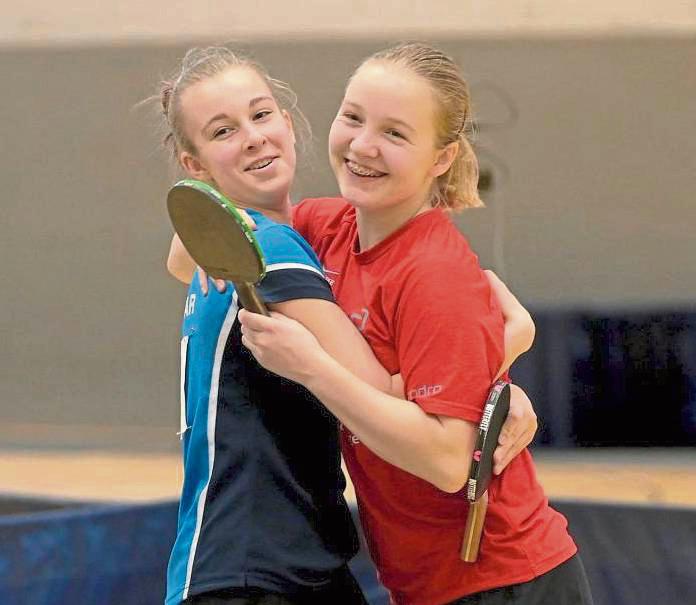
[423, 303]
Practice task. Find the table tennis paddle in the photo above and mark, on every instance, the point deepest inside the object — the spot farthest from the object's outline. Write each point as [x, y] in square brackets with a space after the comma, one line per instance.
[217, 237]
[481, 471]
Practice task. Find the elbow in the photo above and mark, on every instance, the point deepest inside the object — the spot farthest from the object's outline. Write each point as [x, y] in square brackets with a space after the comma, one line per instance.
[175, 269]
[171, 266]
[452, 459]
[453, 484]
[452, 476]
[527, 330]
[530, 332]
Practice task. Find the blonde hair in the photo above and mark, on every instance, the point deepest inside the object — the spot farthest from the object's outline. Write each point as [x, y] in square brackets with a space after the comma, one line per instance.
[457, 188]
[202, 63]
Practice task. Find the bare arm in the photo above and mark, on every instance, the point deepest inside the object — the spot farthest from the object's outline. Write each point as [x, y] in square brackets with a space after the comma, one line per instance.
[434, 448]
[179, 262]
[521, 424]
[181, 266]
[339, 337]
[519, 326]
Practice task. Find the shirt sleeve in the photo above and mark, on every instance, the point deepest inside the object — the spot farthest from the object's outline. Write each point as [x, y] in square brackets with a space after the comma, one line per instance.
[292, 269]
[449, 337]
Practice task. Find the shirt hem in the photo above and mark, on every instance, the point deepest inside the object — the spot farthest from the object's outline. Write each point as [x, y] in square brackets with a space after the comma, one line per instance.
[533, 572]
[444, 409]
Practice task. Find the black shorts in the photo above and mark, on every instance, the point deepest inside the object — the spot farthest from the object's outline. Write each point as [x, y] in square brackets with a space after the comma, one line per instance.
[564, 585]
[343, 589]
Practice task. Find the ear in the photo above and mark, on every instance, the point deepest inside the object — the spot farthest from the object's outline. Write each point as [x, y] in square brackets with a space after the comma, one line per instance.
[444, 159]
[288, 119]
[193, 166]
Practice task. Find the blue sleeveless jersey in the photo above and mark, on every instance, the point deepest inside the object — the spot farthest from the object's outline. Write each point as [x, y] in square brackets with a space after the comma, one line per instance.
[262, 502]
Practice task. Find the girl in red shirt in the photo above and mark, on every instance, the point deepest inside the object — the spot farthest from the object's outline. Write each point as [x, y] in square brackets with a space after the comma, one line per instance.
[410, 283]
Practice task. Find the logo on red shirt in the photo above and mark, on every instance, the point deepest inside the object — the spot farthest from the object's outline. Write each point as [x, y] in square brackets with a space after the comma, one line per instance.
[360, 319]
[425, 390]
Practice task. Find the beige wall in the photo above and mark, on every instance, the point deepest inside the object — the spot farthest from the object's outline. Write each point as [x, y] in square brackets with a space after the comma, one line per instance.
[590, 143]
[42, 22]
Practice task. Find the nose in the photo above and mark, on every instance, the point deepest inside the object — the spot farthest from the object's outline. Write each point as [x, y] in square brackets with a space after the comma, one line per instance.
[364, 144]
[254, 137]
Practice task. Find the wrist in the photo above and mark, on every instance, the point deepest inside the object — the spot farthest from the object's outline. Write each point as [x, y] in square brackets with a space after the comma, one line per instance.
[319, 374]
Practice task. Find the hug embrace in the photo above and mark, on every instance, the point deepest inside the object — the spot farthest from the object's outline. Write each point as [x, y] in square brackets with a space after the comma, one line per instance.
[384, 339]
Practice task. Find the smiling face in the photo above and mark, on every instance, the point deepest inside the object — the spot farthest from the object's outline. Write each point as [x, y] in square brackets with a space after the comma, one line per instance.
[243, 143]
[382, 144]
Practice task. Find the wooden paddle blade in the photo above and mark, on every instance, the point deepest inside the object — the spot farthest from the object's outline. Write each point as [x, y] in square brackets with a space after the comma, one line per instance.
[214, 234]
[474, 529]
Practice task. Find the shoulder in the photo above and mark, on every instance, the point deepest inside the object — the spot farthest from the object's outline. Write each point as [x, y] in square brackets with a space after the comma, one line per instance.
[282, 244]
[292, 268]
[440, 272]
[436, 251]
[314, 218]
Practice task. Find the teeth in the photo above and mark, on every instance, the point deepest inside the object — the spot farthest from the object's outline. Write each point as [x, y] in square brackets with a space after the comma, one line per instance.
[362, 170]
[260, 164]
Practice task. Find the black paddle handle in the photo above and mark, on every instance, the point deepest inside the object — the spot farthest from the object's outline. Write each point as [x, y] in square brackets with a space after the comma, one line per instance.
[250, 298]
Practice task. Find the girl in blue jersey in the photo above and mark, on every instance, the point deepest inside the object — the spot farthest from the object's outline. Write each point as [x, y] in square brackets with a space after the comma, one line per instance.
[262, 517]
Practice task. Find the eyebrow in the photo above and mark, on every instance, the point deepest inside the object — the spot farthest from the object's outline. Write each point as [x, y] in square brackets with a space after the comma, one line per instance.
[395, 121]
[223, 115]
[256, 100]
[216, 117]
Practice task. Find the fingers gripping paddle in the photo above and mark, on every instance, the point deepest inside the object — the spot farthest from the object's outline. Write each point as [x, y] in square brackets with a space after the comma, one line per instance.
[216, 236]
[494, 414]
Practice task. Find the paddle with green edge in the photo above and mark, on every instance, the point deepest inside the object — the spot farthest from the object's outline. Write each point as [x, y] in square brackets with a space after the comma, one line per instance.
[218, 238]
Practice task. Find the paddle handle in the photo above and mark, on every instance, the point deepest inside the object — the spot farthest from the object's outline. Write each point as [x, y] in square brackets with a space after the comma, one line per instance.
[250, 298]
[474, 528]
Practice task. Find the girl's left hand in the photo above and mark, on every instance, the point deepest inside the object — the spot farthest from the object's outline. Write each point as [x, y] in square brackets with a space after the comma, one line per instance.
[282, 345]
[518, 430]
[220, 284]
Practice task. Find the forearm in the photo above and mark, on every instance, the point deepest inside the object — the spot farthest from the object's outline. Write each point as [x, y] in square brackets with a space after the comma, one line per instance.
[519, 336]
[435, 449]
[519, 326]
[179, 262]
[339, 338]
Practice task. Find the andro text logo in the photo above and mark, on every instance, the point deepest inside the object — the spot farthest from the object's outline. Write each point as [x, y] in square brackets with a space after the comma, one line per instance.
[425, 390]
